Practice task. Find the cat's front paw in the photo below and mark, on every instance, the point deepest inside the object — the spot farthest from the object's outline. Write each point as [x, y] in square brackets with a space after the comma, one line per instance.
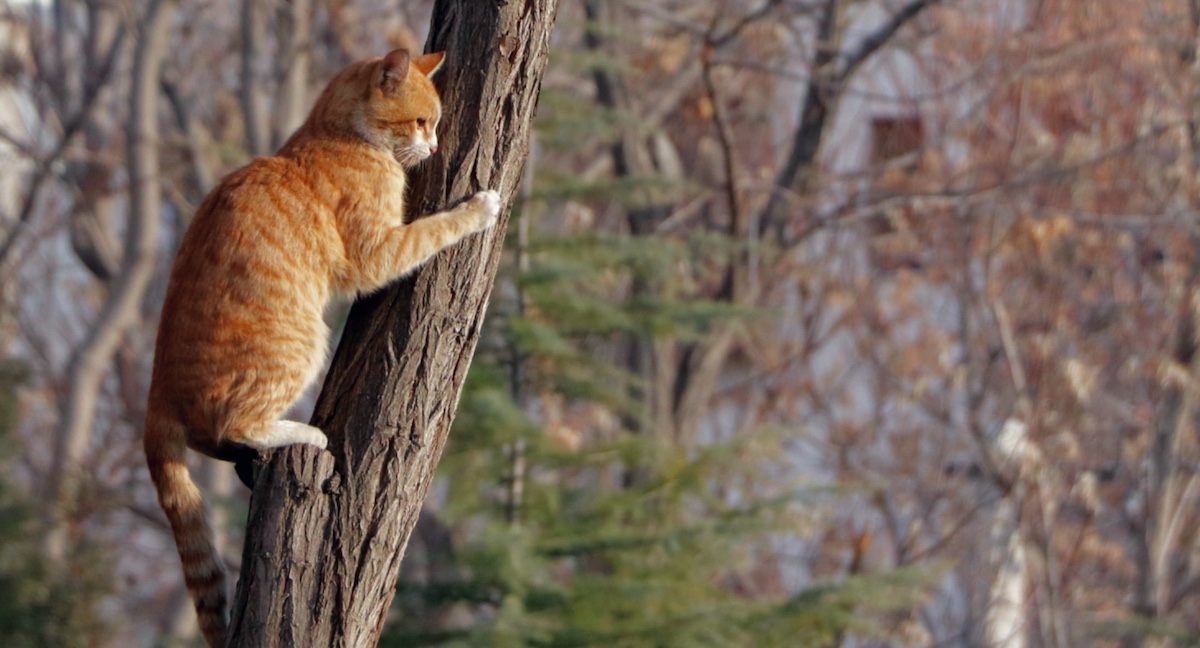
[485, 206]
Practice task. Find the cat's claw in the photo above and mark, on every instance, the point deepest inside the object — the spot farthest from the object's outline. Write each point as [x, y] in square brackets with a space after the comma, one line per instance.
[487, 205]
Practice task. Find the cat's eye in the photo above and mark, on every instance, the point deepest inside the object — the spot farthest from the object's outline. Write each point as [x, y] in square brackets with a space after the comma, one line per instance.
[421, 122]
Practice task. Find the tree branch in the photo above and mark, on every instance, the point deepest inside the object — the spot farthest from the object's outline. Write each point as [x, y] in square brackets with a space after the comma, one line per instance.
[810, 127]
[194, 137]
[881, 36]
[825, 85]
[94, 83]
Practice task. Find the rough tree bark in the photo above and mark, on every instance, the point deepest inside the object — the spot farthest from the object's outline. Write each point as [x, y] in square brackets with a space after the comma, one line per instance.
[327, 530]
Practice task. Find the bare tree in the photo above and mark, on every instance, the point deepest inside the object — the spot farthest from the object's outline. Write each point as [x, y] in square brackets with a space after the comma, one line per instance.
[122, 308]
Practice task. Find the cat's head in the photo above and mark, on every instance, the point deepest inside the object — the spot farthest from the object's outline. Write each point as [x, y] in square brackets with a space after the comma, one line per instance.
[388, 101]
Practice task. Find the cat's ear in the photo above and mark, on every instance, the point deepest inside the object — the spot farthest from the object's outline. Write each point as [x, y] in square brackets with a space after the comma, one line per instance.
[429, 63]
[394, 69]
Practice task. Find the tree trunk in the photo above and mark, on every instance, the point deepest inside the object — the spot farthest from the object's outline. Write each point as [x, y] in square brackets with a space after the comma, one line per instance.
[327, 530]
[255, 111]
[293, 92]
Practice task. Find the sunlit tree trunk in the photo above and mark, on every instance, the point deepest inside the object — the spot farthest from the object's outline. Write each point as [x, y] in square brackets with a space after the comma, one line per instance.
[294, 103]
[255, 115]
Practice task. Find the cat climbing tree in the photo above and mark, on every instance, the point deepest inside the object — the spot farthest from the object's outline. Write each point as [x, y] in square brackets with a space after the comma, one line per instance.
[327, 530]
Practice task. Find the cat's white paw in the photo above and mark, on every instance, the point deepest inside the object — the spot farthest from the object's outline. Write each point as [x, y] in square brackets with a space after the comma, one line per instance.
[486, 206]
[284, 433]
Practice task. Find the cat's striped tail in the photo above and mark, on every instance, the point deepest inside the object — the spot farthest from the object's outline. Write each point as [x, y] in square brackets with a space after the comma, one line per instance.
[203, 573]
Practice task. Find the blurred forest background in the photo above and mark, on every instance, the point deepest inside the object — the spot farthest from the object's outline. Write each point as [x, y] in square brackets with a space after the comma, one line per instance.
[823, 322]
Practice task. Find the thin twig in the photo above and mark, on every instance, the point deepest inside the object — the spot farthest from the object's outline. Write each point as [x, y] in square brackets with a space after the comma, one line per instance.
[72, 127]
[880, 37]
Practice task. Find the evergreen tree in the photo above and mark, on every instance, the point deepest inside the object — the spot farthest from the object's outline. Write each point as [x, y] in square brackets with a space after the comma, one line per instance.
[568, 519]
[42, 605]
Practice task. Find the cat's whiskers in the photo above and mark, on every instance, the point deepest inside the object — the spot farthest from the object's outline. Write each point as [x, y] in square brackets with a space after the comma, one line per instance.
[410, 156]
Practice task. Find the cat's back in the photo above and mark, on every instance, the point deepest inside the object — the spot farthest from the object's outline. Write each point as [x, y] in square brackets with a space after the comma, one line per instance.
[252, 269]
[268, 197]
[264, 222]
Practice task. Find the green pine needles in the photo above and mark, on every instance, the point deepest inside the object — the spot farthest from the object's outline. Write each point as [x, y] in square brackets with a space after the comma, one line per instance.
[566, 518]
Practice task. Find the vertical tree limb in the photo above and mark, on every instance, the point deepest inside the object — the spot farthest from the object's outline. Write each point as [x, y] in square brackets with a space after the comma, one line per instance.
[517, 367]
[810, 123]
[293, 105]
[194, 136]
[327, 530]
[254, 99]
[122, 308]
[94, 236]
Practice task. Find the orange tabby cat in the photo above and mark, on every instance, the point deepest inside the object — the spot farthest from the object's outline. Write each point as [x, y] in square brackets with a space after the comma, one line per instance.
[242, 332]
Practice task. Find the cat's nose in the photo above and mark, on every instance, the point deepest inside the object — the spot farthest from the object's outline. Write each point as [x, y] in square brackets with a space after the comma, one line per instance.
[432, 149]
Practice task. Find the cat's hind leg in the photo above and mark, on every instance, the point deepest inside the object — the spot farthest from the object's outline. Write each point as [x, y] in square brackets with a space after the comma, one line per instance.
[284, 433]
[277, 434]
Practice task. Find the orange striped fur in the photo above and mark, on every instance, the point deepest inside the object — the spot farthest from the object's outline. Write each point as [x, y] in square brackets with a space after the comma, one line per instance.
[242, 332]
